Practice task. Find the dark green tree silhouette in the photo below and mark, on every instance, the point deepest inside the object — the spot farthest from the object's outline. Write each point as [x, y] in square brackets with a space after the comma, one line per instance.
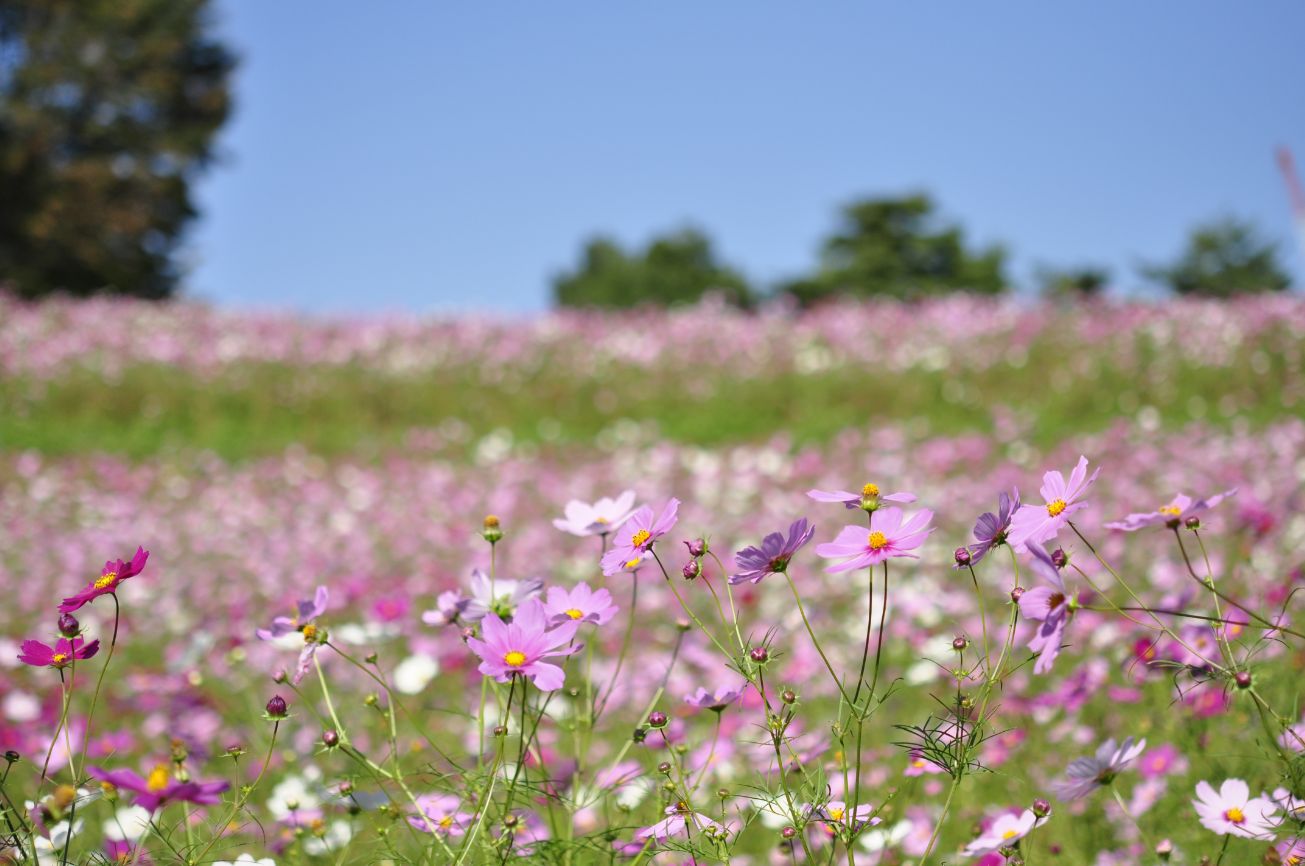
[677, 269]
[1087, 281]
[1223, 258]
[108, 111]
[897, 247]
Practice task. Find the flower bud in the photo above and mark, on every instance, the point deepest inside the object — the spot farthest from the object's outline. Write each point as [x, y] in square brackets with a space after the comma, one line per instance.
[69, 627]
[1192, 522]
[1164, 849]
[959, 643]
[657, 719]
[788, 696]
[962, 556]
[759, 655]
[276, 707]
[697, 547]
[1242, 679]
[330, 738]
[1059, 557]
[500, 730]
[788, 832]
[1016, 594]
[12, 757]
[346, 788]
[664, 768]
[280, 677]
[723, 793]
[1041, 808]
[683, 624]
[511, 821]
[492, 531]
[639, 735]
[691, 569]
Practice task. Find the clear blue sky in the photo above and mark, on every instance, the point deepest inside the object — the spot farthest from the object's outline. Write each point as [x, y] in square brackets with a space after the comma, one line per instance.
[425, 156]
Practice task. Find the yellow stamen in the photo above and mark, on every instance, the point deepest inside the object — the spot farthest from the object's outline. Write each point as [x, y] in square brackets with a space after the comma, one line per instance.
[836, 814]
[107, 579]
[1055, 507]
[574, 613]
[514, 659]
[640, 538]
[158, 778]
[446, 822]
[491, 521]
[1235, 815]
[870, 490]
[59, 659]
[310, 633]
[601, 520]
[1009, 834]
[1171, 510]
[877, 540]
[632, 563]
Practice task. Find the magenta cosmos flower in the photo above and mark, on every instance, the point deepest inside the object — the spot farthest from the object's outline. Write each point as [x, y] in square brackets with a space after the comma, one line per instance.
[858, 547]
[518, 647]
[637, 536]
[1042, 522]
[774, 554]
[1172, 515]
[1231, 811]
[60, 655]
[604, 516]
[160, 788]
[581, 604]
[1085, 775]
[869, 499]
[1051, 606]
[114, 573]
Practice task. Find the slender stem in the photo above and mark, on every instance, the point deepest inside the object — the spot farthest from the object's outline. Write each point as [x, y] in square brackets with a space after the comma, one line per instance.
[816, 641]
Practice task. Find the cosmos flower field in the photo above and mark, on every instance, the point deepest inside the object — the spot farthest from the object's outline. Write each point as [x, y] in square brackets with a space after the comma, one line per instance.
[474, 637]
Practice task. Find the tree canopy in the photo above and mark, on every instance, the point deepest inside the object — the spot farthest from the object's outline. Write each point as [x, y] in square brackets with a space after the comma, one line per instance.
[1224, 257]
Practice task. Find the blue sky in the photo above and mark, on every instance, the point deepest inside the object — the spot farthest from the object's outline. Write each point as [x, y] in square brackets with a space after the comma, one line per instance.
[423, 156]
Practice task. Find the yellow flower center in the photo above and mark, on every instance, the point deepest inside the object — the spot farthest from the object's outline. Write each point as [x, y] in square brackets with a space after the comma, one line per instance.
[1009, 834]
[1171, 510]
[640, 538]
[877, 540]
[491, 521]
[106, 579]
[870, 490]
[514, 659]
[632, 562]
[158, 778]
[446, 822]
[59, 659]
[310, 632]
[574, 613]
[837, 814]
[1235, 815]
[1055, 507]
[601, 520]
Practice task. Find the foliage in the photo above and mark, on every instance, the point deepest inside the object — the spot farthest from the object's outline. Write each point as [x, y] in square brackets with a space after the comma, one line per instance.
[1224, 258]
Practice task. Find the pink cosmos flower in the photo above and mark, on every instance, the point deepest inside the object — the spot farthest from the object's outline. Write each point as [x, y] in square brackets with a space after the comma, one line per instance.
[581, 604]
[717, 700]
[1231, 811]
[449, 606]
[114, 573]
[59, 656]
[1004, 832]
[859, 547]
[1291, 852]
[518, 647]
[1042, 522]
[606, 515]
[160, 788]
[1052, 606]
[835, 815]
[774, 554]
[638, 535]
[679, 818]
[440, 814]
[869, 499]
[1085, 775]
[1172, 515]
[919, 765]
[304, 622]
[499, 596]
[991, 529]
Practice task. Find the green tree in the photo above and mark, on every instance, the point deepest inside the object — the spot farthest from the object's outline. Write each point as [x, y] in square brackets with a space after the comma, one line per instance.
[108, 111]
[1223, 258]
[676, 269]
[897, 247]
[1087, 281]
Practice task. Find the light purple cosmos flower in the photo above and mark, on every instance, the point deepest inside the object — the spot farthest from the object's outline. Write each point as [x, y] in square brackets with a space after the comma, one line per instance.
[638, 535]
[1291, 852]
[1052, 606]
[772, 557]
[518, 647]
[718, 700]
[679, 817]
[1231, 811]
[309, 609]
[581, 604]
[1085, 775]
[604, 516]
[1042, 522]
[114, 573]
[991, 529]
[59, 656]
[869, 499]
[440, 814]
[498, 596]
[858, 547]
[835, 814]
[1172, 515]
[160, 788]
[1004, 832]
[449, 606]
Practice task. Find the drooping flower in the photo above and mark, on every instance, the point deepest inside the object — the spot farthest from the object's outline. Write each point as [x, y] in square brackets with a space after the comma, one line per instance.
[449, 606]
[606, 515]
[716, 700]
[678, 818]
[774, 554]
[1231, 811]
[111, 577]
[440, 814]
[991, 529]
[869, 499]
[304, 621]
[1042, 522]
[160, 787]
[499, 596]
[1051, 606]
[638, 535]
[858, 547]
[1172, 515]
[520, 646]
[1085, 775]
[581, 604]
[59, 656]
[1004, 832]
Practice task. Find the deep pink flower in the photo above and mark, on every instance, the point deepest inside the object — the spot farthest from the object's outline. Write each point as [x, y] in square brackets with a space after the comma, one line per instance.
[638, 535]
[60, 655]
[581, 604]
[114, 573]
[1042, 522]
[1172, 515]
[858, 547]
[518, 647]
[160, 788]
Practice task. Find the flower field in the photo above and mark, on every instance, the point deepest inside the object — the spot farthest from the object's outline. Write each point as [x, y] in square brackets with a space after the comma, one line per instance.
[380, 610]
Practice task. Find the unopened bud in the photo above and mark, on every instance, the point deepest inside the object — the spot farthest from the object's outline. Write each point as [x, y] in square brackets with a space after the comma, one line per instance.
[788, 696]
[1192, 522]
[691, 569]
[657, 719]
[959, 643]
[500, 730]
[1016, 594]
[760, 655]
[280, 677]
[276, 707]
[468, 633]
[346, 788]
[962, 556]
[788, 832]
[492, 531]
[639, 735]
[1164, 849]
[697, 547]
[1059, 557]
[330, 738]
[1041, 808]
[69, 627]
[12, 757]
[1243, 679]
[664, 768]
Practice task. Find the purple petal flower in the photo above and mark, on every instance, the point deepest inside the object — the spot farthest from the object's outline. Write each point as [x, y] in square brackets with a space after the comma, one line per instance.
[1172, 515]
[774, 554]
